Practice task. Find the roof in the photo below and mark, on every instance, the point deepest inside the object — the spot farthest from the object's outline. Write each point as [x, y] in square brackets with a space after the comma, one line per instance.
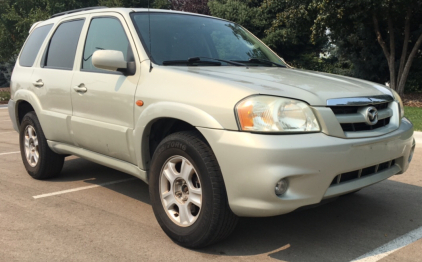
[124, 11]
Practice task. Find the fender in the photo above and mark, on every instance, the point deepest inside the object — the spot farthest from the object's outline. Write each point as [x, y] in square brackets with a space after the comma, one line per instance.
[27, 96]
[187, 113]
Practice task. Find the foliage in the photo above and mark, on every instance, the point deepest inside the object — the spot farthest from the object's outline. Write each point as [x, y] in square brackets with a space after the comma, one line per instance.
[414, 114]
[336, 36]
[194, 6]
[245, 13]
[6, 72]
[4, 95]
[414, 82]
[380, 37]
[16, 17]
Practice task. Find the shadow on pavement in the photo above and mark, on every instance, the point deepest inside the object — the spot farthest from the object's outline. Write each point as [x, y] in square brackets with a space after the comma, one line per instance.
[78, 169]
[338, 231]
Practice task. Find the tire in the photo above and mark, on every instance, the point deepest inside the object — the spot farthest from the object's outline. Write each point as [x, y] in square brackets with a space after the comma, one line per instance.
[213, 221]
[49, 164]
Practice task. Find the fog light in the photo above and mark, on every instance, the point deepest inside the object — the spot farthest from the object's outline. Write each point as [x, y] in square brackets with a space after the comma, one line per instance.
[281, 187]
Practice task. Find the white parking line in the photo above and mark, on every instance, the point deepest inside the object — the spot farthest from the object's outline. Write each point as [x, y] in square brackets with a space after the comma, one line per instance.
[391, 246]
[9, 132]
[5, 120]
[82, 188]
[9, 153]
[1, 108]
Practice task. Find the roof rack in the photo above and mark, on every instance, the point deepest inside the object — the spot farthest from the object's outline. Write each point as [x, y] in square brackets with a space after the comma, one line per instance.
[78, 10]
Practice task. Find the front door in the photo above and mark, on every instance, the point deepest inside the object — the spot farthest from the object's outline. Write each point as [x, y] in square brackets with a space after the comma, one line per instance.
[103, 101]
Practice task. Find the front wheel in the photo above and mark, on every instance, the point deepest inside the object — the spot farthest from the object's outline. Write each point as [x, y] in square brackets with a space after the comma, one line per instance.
[187, 192]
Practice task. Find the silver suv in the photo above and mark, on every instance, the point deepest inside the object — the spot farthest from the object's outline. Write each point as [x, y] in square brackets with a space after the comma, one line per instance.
[216, 123]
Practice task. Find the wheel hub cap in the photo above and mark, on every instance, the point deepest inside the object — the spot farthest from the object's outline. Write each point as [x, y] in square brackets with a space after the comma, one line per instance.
[180, 191]
[31, 146]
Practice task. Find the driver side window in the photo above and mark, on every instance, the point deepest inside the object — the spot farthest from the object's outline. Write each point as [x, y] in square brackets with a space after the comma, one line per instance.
[105, 33]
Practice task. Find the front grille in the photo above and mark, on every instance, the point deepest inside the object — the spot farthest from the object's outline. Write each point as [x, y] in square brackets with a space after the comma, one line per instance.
[357, 174]
[352, 121]
[352, 127]
[341, 110]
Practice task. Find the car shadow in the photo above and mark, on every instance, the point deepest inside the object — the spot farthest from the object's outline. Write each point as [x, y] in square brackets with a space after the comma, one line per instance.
[78, 169]
[340, 230]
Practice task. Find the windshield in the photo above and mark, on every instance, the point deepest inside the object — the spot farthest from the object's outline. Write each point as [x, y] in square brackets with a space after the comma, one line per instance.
[178, 37]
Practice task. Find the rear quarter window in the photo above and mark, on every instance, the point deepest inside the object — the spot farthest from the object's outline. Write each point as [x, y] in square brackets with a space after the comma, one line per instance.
[33, 45]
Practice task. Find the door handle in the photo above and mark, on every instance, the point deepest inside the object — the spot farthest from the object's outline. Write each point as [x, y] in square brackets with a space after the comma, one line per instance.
[38, 83]
[80, 88]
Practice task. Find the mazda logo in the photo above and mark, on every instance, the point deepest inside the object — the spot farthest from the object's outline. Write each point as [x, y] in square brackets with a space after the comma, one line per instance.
[371, 115]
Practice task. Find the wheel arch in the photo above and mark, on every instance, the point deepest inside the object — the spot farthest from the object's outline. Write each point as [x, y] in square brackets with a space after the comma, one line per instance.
[26, 101]
[162, 119]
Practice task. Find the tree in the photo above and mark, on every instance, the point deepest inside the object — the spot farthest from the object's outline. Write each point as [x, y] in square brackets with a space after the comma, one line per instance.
[16, 19]
[396, 27]
[193, 6]
[245, 13]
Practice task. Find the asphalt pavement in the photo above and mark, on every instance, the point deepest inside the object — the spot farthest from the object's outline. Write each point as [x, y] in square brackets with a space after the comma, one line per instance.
[94, 213]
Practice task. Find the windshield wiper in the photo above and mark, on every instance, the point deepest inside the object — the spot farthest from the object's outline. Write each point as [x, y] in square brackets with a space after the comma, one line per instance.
[190, 61]
[197, 59]
[216, 59]
[262, 61]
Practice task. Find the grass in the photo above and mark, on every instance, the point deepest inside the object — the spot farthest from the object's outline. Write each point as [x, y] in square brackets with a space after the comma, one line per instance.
[414, 114]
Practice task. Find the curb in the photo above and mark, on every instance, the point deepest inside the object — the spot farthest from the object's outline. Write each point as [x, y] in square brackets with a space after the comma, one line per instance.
[418, 138]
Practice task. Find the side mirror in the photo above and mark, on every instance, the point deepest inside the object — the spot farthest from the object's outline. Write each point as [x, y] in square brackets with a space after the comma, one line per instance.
[113, 60]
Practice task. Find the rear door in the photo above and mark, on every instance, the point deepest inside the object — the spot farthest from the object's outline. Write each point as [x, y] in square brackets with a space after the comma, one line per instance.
[52, 78]
[22, 73]
[102, 119]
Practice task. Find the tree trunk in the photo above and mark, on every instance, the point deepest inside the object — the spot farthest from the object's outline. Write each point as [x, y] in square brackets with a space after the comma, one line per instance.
[392, 63]
[390, 57]
[405, 44]
[409, 62]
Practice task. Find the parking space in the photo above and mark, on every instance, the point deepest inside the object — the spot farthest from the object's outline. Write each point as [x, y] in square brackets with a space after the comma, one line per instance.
[93, 213]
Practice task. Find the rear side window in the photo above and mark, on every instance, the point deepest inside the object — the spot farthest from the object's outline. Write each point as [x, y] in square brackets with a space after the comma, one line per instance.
[105, 33]
[33, 45]
[62, 49]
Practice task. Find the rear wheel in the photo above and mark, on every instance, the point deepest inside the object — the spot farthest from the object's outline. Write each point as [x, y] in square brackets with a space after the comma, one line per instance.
[39, 160]
[187, 192]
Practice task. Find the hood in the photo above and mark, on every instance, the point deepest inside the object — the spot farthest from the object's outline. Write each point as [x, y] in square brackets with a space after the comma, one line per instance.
[312, 87]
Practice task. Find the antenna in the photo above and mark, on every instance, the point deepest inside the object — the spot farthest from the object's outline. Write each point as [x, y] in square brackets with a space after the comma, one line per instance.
[149, 32]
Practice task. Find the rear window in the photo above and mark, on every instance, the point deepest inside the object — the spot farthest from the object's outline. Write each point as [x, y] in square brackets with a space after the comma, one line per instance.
[62, 49]
[33, 45]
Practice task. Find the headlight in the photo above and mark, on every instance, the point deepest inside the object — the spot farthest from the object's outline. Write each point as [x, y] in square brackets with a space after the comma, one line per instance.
[275, 114]
[398, 100]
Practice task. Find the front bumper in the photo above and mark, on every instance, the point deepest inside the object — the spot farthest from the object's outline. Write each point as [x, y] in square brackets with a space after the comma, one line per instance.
[253, 163]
